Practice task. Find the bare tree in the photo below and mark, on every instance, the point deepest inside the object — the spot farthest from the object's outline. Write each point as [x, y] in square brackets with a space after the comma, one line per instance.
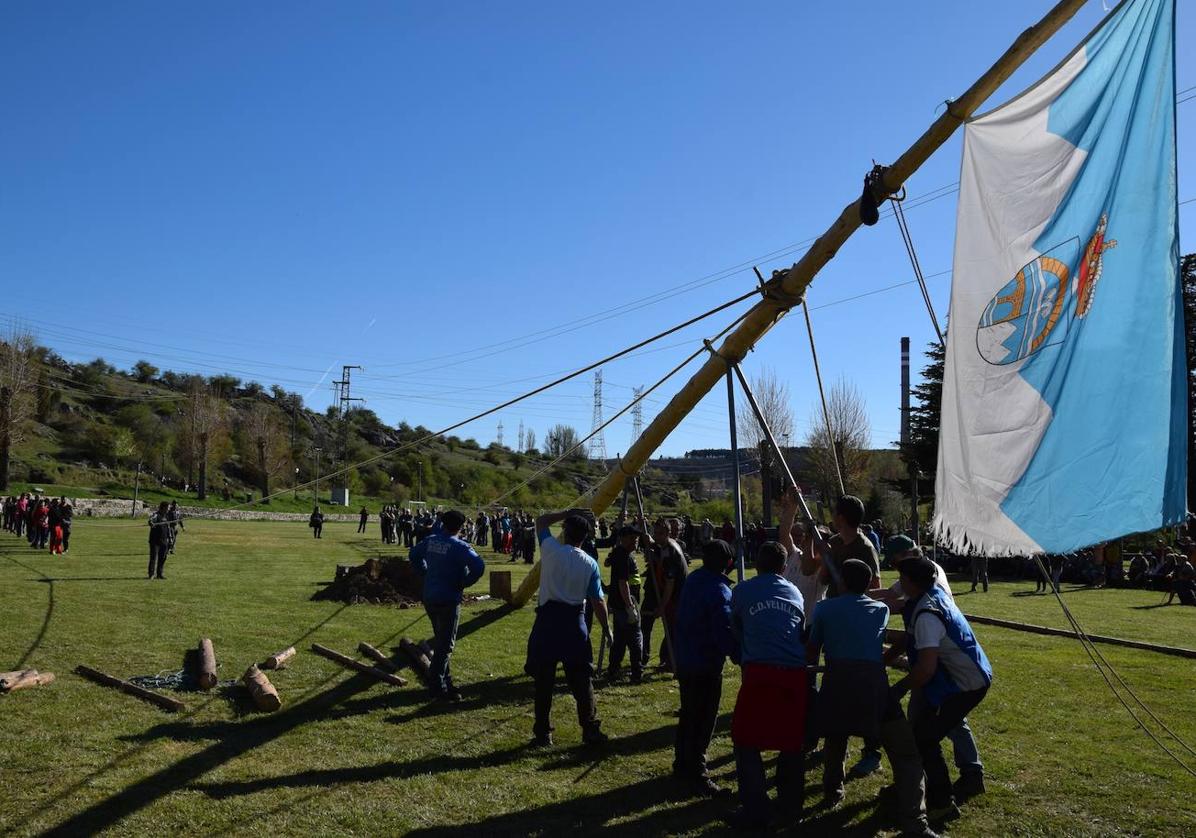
[848, 436]
[265, 432]
[529, 440]
[772, 395]
[17, 384]
[204, 417]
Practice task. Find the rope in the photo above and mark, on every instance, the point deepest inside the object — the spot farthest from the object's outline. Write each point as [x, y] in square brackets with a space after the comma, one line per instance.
[623, 411]
[903, 226]
[1098, 660]
[826, 415]
[561, 380]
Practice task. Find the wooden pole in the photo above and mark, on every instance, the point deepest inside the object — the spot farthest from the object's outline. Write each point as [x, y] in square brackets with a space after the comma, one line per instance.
[278, 660]
[22, 679]
[735, 464]
[785, 290]
[419, 661]
[265, 696]
[357, 666]
[172, 705]
[382, 660]
[207, 664]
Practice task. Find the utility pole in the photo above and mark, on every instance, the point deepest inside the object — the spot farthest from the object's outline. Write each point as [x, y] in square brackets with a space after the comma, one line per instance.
[520, 448]
[598, 441]
[316, 500]
[500, 433]
[421, 479]
[295, 482]
[911, 464]
[136, 491]
[637, 414]
[345, 401]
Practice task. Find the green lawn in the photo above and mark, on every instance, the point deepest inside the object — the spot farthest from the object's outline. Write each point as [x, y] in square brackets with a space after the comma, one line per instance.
[348, 757]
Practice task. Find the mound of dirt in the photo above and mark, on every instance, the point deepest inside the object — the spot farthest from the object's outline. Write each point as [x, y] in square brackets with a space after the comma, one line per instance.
[377, 582]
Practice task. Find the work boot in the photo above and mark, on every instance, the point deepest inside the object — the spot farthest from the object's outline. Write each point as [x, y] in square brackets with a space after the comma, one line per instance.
[942, 811]
[593, 735]
[968, 786]
[542, 740]
[869, 764]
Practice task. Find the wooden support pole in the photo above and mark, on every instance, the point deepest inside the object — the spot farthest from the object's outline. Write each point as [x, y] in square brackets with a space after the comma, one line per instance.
[278, 660]
[378, 656]
[415, 655]
[265, 696]
[22, 679]
[786, 289]
[172, 705]
[206, 661]
[357, 666]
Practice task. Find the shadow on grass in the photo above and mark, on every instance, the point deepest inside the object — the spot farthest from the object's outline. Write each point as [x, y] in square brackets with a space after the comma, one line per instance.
[41, 635]
[232, 740]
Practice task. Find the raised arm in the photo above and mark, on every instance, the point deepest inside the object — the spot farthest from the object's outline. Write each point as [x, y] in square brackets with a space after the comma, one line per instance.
[785, 522]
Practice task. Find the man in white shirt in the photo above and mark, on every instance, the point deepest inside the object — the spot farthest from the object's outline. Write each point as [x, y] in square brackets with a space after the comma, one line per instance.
[569, 578]
[897, 549]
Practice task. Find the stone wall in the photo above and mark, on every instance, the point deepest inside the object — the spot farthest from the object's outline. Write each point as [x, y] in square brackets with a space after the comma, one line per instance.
[122, 507]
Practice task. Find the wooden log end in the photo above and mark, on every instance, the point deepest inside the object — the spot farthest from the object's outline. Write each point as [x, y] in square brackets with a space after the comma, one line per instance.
[265, 696]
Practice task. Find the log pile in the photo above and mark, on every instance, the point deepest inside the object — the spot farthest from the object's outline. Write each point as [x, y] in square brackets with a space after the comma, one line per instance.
[377, 582]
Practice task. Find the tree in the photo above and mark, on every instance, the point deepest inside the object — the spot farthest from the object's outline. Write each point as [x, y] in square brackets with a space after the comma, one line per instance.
[144, 372]
[849, 437]
[17, 403]
[561, 441]
[48, 396]
[272, 455]
[205, 422]
[529, 440]
[772, 395]
[922, 450]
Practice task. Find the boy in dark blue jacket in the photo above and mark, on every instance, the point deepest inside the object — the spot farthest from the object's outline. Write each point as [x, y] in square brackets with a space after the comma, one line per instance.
[449, 566]
[702, 643]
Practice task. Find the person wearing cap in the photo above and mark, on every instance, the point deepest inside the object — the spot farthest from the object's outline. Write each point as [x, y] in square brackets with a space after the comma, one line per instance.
[898, 550]
[449, 566]
[569, 579]
[855, 699]
[703, 643]
[849, 542]
[949, 674]
[767, 618]
[624, 609]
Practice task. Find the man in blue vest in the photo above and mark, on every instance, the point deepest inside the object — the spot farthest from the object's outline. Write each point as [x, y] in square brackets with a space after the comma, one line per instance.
[448, 566]
[569, 579]
[948, 670]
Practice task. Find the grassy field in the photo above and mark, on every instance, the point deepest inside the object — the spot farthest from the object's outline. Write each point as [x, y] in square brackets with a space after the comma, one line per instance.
[348, 757]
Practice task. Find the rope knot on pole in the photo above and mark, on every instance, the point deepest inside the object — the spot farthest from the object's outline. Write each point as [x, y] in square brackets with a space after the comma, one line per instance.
[774, 290]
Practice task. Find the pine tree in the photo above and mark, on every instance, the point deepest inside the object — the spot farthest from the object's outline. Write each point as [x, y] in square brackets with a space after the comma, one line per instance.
[922, 451]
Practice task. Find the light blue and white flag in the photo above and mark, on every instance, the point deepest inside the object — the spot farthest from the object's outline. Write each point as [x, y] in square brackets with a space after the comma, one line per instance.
[1064, 399]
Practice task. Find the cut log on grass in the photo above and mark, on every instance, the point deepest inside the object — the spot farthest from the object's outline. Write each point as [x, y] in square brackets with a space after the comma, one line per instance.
[382, 660]
[206, 664]
[420, 662]
[425, 646]
[357, 666]
[500, 585]
[164, 701]
[24, 678]
[279, 659]
[264, 695]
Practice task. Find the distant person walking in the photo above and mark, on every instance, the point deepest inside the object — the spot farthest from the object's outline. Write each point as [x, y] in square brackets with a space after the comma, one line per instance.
[316, 522]
[159, 541]
[365, 516]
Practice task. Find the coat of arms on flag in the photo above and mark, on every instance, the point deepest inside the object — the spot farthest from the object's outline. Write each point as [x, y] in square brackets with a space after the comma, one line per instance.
[1064, 397]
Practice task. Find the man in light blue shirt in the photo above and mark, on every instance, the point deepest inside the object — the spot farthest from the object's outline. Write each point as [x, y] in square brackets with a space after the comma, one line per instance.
[569, 578]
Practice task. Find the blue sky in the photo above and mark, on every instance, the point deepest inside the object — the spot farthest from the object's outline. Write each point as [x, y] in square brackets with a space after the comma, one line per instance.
[430, 190]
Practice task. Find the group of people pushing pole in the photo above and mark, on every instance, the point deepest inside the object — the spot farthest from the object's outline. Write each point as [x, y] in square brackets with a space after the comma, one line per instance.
[822, 600]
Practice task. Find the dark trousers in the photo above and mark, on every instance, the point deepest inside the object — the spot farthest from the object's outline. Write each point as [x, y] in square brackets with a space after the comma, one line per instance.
[753, 786]
[316, 530]
[646, 624]
[407, 535]
[43, 536]
[931, 725]
[157, 558]
[627, 639]
[577, 676]
[701, 693]
[361, 526]
[444, 619]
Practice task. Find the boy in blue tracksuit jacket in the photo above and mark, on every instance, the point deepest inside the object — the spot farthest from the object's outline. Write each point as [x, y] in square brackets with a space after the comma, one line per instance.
[702, 642]
[449, 566]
